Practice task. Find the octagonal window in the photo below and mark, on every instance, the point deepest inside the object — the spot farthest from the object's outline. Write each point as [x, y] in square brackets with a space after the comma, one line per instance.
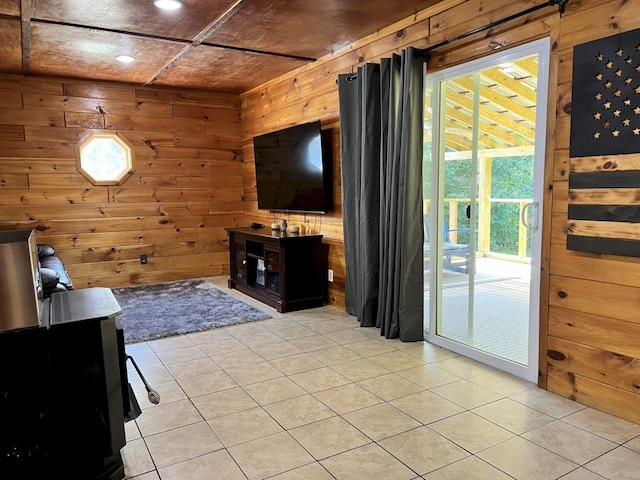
[105, 158]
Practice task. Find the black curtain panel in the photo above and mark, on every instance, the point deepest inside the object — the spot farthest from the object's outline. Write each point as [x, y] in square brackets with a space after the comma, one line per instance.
[381, 122]
[360, 145]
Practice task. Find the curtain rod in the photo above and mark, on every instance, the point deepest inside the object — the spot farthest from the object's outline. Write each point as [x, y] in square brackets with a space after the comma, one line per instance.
[423, 52]
[560, 3]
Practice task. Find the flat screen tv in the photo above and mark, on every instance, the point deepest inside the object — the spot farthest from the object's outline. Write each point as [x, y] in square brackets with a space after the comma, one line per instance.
[293, 169]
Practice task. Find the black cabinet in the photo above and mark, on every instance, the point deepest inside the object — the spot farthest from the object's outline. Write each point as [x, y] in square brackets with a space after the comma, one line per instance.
[64, 392]
[283, 270]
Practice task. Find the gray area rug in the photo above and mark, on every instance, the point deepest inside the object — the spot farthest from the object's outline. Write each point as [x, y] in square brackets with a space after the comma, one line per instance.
[162, 310]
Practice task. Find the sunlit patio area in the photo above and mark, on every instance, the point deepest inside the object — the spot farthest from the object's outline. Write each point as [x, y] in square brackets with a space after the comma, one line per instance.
[499, 300]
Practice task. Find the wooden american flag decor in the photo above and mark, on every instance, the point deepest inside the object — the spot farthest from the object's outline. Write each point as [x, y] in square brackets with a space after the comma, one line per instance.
[604, 175]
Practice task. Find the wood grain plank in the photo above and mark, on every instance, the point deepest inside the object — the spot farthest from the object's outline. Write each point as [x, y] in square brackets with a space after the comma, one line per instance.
[130, 122]
[90, 212]
[595, 331]
[37, 150]
[60, 196]
[10, 181]
[132, 238]
[10, 99]
[185, 97]
[595, 394]
[603, 229]
[38, 165]
[12, 133]
[98, 91]
[591, 266]
[116, 224]
[13, 116]
[23, 84]
[619, 302]
[219, 142]
[150, 277]
[84, 120]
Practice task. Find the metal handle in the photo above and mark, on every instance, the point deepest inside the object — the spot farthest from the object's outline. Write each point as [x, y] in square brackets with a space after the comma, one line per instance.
[523, 216]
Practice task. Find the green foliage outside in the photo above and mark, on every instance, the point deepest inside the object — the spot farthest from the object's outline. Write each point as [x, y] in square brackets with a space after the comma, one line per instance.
[512, 178]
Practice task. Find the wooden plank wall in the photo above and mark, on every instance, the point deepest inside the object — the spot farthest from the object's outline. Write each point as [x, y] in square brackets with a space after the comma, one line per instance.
[311, 93]
[594, 300]
[186, 188]
[590, 304]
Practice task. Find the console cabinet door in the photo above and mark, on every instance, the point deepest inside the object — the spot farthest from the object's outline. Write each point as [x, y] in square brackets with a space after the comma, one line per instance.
[272, 261]
[239, 267]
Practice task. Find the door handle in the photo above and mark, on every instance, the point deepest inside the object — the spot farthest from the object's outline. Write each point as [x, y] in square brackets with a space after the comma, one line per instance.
[534, 218]
[468, 211]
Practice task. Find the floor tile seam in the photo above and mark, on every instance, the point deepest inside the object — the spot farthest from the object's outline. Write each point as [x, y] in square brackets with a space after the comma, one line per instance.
[582, 407]
[576, 465]
[453, 401]
[194, 396]
[227, 447]
[277, 401]
[467, 376]
[169, 338]
[581, 464]
[495, 390]
[617, 447]
[584, 429]
[370, 441]
[276, 358]
[157, 468]
[503, 427]
[335, 415]
[279, 335]
[563, 420]
[351, 411]
[477, 458]
[267, 436]
[637, 437]
[422, 389]
[428, 424]
[270, 477]
[578, 468]
[416, 428]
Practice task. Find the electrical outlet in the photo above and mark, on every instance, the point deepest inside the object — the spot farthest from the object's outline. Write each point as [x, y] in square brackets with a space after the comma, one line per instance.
[330, 275]
[143, 259]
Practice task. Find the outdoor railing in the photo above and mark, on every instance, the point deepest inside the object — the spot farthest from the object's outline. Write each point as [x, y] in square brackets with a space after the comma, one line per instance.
[483, 246]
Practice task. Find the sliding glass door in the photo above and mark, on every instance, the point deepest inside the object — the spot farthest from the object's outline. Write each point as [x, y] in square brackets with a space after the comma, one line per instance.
[485, 131]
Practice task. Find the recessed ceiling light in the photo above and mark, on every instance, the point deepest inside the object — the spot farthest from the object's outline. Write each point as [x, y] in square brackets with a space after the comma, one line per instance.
[167, 4]
[125, 58]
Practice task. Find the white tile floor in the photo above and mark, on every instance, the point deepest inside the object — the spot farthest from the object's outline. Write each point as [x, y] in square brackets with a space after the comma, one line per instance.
[311, 395]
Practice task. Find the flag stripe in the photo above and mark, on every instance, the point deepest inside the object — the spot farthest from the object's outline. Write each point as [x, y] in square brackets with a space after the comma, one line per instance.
[607, 213]
[606, 163]
[623, 179]
[611, 246]
[611, 196]
[604, 184]
[587, 228]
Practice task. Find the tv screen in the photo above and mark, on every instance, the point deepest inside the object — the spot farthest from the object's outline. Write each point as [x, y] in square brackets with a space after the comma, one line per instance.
[293, 169]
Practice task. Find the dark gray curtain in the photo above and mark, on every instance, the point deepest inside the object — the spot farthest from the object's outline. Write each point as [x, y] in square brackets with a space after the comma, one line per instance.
[381, 116]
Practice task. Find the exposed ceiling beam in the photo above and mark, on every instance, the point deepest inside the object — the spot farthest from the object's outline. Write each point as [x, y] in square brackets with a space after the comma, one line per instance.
[200, 37]
[495, 98]
[492, 153]
[496, 76]
[491, 115]
[26, 12]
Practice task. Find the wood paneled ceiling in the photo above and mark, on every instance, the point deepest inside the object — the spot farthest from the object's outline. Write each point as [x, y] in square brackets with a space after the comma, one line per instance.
[222, 45]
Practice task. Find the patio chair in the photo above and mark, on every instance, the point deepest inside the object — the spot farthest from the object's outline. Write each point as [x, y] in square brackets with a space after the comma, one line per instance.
[456, 255]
